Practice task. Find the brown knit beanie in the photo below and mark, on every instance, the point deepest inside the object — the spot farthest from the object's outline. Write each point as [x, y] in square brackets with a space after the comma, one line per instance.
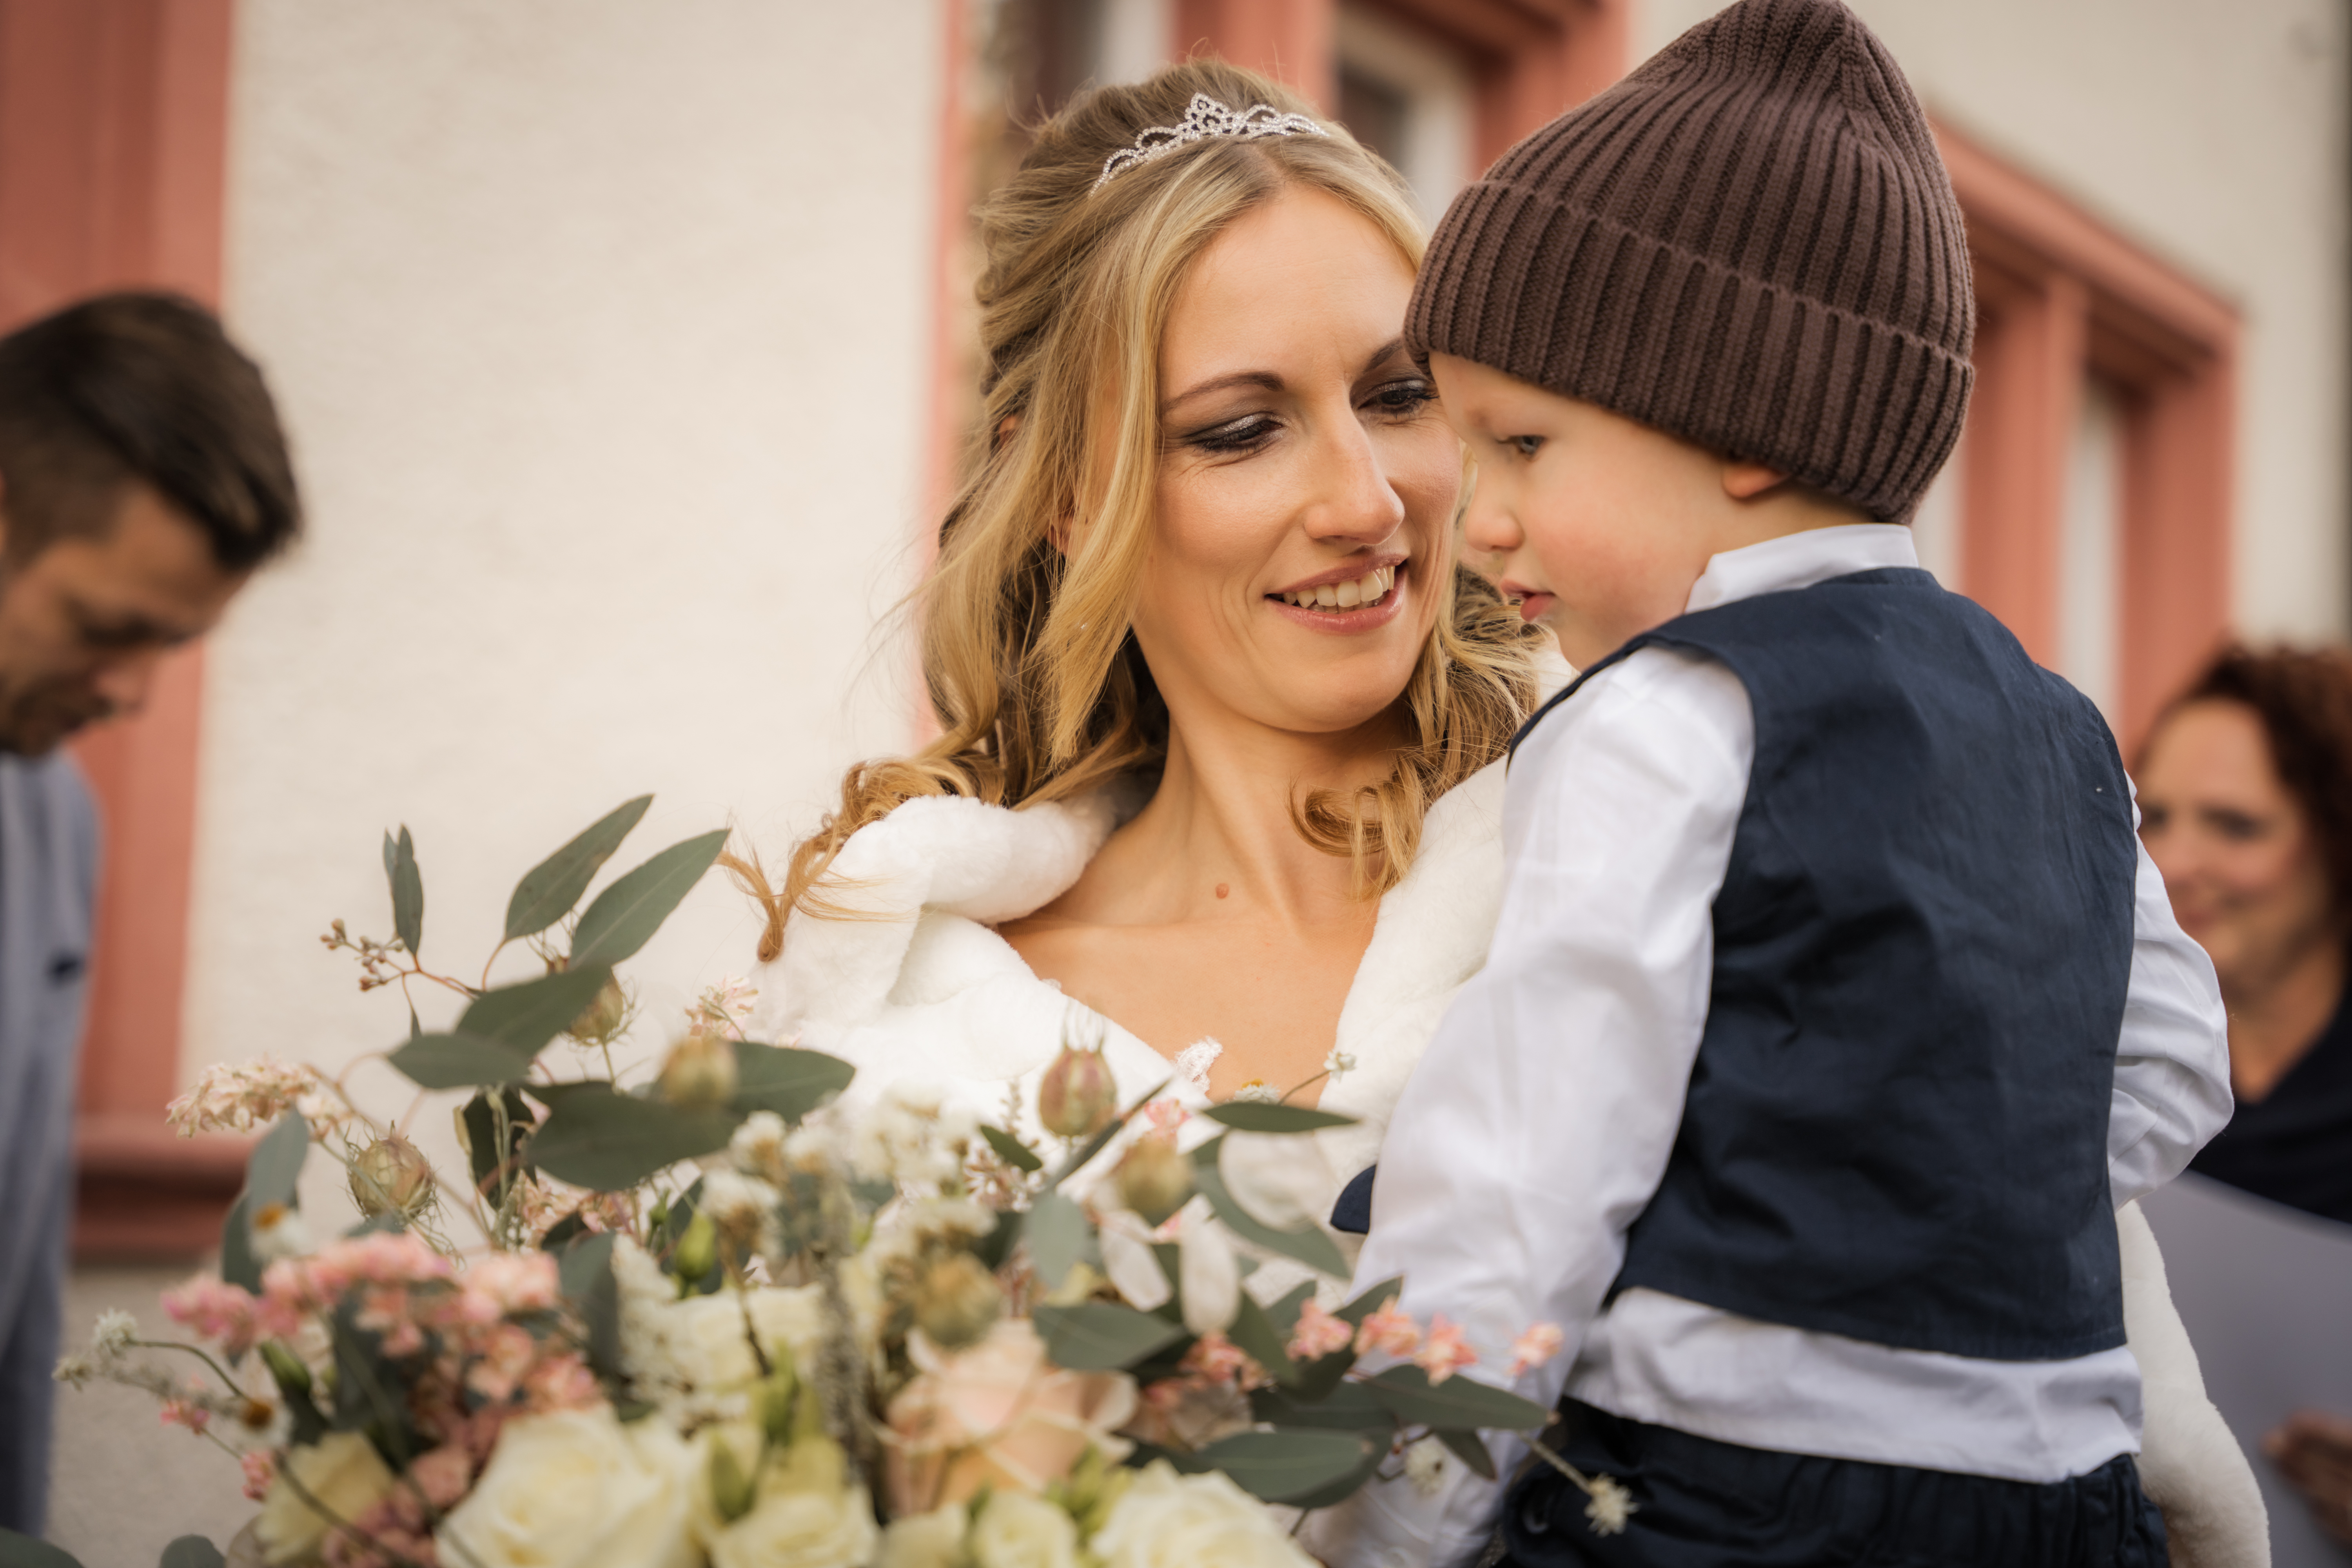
[1750, 242]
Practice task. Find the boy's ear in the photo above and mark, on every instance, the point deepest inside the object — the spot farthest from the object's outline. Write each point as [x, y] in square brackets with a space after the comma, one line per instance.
[1744, 481]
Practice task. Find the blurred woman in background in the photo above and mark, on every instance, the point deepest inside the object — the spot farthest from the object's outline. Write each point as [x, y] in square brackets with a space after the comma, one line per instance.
[2245, 795]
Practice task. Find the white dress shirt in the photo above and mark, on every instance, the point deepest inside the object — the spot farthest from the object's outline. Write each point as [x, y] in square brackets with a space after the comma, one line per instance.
[1537, 1127]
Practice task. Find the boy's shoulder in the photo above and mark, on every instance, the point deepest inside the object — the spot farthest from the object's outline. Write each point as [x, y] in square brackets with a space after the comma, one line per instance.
[1656, 699]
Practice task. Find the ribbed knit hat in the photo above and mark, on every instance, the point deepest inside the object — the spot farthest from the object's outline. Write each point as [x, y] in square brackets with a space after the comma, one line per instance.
[1750, 242]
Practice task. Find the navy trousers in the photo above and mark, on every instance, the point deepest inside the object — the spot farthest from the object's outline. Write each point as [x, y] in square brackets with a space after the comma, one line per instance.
[1704, 1504]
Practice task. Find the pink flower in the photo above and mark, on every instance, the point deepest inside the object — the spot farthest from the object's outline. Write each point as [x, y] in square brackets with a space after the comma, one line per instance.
[180, 1413]
[215, 1310]
[445, 1475]
[560, 1382]
[1389, 1332]
[1444, 1351]
[1536, 1346]
[1318, 1333]
[998, 1414]
[260, 1469]
[1216, 1359]
[506, 1357]
[1165, 1116]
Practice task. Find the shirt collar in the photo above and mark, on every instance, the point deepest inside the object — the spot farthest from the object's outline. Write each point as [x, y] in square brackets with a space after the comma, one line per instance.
[1801, 559]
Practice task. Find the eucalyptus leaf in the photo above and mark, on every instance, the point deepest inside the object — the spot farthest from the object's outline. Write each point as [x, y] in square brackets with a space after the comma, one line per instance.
[1347, 1486]
[785, 1080]
[483, 1155]
[192, 1552]
[238, 1265]
[1258, 1116]
[1011, 1151]
[1349, 1407]
[1309, 1244]
[527, 1015]
[1470, 1448]
[549, 889]
[24, 1552]
[585, 1272]
[460, 1061]
[1281, 1465]
[274, 1168]
[1255, 1332]
[1458, 1402]
[407, 889]
[1100, 1336]
[595, 1138]
[1060, 1237]
[624, 916]
[1285, 1312]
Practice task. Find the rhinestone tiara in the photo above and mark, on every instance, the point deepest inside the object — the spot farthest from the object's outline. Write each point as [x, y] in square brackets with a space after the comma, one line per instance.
[1204, 117]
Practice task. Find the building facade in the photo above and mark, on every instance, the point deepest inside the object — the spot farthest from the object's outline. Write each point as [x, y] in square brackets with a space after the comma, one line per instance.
[626, 350]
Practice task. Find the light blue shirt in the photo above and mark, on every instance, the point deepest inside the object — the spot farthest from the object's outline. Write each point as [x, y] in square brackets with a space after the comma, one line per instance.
[49, 872]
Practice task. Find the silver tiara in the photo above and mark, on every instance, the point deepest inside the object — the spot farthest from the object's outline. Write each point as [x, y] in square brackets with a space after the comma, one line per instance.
[1204, 117]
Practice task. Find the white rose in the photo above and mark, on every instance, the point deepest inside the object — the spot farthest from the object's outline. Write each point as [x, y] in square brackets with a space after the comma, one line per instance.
[696, 1350]
[1168, 1521]
[342, 1471]
[576, 1490]
[933, 1540]
[797, 1524]
[1016, 1531]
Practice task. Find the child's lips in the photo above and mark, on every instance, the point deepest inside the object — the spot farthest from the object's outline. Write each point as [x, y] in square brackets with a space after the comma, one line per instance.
[1532, 605]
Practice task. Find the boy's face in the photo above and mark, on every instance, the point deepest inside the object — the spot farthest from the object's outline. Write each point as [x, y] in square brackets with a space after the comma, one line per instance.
[1602, 525]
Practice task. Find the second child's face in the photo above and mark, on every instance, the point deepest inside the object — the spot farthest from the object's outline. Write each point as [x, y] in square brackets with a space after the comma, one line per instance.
[1601, 525]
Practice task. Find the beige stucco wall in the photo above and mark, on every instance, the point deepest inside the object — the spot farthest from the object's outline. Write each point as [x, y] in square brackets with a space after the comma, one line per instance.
[2215, 134]
[603, 333]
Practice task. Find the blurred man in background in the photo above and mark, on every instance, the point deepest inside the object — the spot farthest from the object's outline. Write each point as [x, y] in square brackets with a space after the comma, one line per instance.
[143, 477]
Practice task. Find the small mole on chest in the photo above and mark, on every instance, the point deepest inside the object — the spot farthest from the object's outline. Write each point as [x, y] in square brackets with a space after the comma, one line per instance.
[1223, 890]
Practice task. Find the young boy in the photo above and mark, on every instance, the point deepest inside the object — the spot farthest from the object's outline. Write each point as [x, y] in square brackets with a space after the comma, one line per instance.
[1833, 1008]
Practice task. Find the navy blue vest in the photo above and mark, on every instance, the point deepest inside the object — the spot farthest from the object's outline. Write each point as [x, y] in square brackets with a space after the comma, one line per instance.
[1896, 1126]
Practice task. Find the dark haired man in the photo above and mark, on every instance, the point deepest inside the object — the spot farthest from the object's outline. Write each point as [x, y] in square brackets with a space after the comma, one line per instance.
[144, 476]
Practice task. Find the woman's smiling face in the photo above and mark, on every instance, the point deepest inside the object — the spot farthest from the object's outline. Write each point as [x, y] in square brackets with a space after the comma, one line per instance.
[1306, 481]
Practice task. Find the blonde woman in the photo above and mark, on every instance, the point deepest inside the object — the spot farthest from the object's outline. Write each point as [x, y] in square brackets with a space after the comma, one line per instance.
[1221, 716]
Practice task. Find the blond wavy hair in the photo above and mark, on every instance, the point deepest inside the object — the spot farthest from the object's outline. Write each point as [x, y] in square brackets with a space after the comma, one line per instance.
[1039, 687]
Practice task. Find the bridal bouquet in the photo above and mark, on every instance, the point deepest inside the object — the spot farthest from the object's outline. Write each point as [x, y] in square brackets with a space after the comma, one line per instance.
[723, 1316]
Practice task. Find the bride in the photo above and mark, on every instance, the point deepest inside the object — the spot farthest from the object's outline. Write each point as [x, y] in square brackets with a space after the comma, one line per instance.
[1217, 776]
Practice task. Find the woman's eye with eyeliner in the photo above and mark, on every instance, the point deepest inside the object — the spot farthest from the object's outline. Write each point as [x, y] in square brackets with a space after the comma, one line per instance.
[1403, 398]
[1238, 436]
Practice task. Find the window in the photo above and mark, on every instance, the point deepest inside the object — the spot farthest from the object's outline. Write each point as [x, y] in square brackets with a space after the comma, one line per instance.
[1410, 98]
[2089, 507]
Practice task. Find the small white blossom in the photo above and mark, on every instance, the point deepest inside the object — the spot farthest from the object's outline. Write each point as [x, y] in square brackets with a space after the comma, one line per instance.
[1194, 1062]
[110, 1340]
[913, 1135]
[1610, 1507]
[279, 1232]
[1340, 1063]
[1257, 1091]
[815, 1147]
[743, 1208]
[238, 1097]
[1424, 1465]
[759, 1144]
[724, 1006]
[75, 1369]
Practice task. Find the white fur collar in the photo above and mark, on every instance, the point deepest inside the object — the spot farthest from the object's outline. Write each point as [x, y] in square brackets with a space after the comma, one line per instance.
[918, 985]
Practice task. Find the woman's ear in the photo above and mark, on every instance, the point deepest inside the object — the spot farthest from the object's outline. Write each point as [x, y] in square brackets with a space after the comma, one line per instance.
[1744, 481]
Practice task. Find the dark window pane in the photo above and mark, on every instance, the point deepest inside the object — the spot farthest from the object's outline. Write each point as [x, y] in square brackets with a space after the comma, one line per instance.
[1375, 112]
